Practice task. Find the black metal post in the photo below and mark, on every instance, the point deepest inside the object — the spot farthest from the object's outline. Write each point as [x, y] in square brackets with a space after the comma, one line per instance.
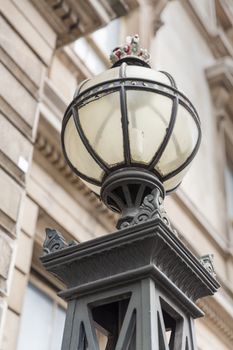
[137, 286]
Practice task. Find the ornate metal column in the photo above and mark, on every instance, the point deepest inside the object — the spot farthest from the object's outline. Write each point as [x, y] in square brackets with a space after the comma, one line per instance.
[138, 286]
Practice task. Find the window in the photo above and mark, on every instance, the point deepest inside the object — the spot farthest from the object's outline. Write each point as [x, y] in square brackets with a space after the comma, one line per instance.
[94, 50]
[42, 322]
[107, 38]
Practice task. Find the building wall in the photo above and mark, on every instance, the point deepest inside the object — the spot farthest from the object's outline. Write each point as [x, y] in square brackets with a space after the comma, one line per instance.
[39, 75]
[27, 45]
[186, 56]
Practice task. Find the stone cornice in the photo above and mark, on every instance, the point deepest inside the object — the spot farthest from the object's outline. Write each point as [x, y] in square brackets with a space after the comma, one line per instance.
[221, 74]
[218, 318]
[49, 154]
[73, 19]
[218, 32]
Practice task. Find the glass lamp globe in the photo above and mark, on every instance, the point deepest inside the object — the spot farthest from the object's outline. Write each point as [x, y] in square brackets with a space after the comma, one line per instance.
[130, 129]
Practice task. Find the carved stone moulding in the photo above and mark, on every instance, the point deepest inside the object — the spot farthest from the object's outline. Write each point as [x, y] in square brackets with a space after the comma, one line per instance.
[73, 19]
[214, 21]
[145, 250]
[219, 318]
[220, 78]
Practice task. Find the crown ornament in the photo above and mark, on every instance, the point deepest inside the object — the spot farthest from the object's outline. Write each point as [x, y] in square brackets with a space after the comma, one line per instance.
[130, 49]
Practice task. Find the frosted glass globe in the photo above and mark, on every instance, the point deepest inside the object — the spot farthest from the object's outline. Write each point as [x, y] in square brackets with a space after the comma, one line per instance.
[130, 116]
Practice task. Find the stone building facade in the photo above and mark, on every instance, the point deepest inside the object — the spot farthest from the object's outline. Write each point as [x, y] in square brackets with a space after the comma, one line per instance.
[43, 56]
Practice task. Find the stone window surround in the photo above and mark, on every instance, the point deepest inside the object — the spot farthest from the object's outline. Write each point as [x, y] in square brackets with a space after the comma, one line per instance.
[218, 35]
[47, 289]
[228, 158]
[220, 79]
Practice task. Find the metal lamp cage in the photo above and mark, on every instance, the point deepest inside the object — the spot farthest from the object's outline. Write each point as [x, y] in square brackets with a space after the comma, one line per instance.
[122, 84]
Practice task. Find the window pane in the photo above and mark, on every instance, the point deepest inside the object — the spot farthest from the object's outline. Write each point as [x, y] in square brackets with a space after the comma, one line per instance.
[36, 321]
[87, 54]
[58, 328]
[107, 38]
[42, 322]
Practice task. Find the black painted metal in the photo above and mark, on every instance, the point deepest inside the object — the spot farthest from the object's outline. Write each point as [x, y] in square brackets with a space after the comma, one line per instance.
[54, 241]
[125, 122]
[131, 61]
[140, 282]
[124, 190]
[134, 83]
[151, 208]
[167, 136]
[75, 170]
[172, 81]
[143, 84]
[134, 286]
[122, 71]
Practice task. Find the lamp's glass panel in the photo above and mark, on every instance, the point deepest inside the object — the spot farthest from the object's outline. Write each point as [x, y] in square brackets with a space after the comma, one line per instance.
[149, 115]
[101, 78]
[174, 181]
[181, 144]
[146, 73]
[101, 123]
[92, 187]
[78, 155]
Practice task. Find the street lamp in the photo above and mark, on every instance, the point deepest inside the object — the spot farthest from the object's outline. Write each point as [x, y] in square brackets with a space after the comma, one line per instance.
[130, 130]
[131, 135]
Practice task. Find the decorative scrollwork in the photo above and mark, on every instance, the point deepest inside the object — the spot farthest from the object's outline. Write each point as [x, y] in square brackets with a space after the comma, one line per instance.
[207, 262]
[151, 208]
[54, 241]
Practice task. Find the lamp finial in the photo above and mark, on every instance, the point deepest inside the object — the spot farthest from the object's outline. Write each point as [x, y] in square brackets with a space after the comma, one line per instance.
[130, 49]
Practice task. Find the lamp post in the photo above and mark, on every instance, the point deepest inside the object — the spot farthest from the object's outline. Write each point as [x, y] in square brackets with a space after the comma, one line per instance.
[131, 135]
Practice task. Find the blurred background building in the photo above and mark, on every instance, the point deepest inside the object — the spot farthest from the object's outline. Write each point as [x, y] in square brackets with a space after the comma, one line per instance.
[47, 48]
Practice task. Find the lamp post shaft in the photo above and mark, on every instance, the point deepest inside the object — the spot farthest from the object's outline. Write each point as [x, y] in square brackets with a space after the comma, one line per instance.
[144, 324]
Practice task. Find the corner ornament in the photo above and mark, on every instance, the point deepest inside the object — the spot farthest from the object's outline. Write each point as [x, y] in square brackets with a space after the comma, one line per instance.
[54, 241]
[207, 262]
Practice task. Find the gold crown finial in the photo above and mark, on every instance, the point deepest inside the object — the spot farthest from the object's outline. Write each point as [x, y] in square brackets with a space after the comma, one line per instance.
[130, 49]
